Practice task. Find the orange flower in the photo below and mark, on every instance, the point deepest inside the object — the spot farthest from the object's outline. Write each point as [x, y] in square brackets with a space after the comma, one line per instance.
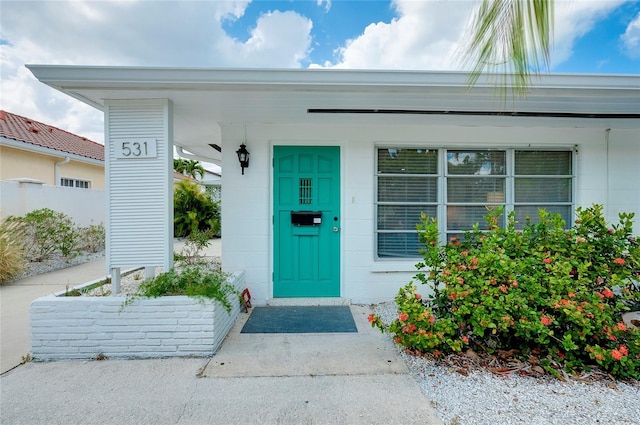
[465, 339]
[581, 239]
[409, 328]
[607, 293]
[564, 302]
[371, 318]
[621, 326]
[432, 320]
[547, 260]
[503, 289]
[619, 261]
[460, 280]
[571, 294]
[598, 356]
[418, 296]
[546, 320]
[403, 317]
[623, 350]
[617, 355]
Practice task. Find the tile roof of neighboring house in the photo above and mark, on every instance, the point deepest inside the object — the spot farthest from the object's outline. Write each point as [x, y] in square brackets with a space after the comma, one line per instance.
[32, 132]
[180, 176]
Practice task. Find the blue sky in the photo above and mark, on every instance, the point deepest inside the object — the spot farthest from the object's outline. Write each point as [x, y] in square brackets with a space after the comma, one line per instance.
[591, 36]
[601, 50]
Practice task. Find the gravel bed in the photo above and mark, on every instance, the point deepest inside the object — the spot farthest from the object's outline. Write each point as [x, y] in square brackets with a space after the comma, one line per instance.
[130, 282]
[58, 262]
[485, 398]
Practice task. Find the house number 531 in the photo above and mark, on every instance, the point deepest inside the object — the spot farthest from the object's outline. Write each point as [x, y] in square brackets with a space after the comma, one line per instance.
[136, 148]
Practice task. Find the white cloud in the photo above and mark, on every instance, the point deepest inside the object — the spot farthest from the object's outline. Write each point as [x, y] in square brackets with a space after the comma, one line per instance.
[631, 38]
[424, 35]
[326, 4]
[280, 39]
[139, 33]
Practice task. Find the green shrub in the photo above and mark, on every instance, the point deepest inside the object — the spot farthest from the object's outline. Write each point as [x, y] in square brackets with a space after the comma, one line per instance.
[195, 280]
[192, 252]
[11, 250]
[194, 210]
[547, 291]
[92, 238]
[48, 232]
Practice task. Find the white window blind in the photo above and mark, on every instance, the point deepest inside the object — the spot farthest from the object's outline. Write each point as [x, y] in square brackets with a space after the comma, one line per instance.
[473, 180]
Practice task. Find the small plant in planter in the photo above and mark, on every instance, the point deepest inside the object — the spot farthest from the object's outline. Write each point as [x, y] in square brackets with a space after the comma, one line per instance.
[545, 291]
[194, 280]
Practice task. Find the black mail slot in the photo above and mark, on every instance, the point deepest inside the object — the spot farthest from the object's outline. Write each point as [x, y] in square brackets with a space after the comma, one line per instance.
[306, 218]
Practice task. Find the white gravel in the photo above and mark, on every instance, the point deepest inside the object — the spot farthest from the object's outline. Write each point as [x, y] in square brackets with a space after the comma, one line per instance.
[485, 398]
[58, 262]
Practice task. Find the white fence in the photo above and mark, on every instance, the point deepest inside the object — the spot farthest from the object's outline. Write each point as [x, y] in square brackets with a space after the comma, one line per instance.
[84, 206]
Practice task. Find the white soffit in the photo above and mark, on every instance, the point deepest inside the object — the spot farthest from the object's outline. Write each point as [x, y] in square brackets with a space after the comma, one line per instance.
[202, 97]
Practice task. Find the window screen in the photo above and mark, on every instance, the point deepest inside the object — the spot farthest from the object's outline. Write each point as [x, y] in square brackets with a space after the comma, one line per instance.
[409, 182]
[407, 185]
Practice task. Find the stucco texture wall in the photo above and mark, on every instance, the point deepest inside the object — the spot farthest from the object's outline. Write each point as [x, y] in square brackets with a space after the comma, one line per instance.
[18, 163]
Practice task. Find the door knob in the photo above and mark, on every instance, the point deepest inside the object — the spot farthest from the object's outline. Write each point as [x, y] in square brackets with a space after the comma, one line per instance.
[335, 228]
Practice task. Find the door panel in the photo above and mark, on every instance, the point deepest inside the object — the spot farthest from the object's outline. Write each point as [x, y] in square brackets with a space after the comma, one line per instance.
[306, 257]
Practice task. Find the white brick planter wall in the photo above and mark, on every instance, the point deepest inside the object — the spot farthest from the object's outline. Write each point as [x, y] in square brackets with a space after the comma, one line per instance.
[84, 327]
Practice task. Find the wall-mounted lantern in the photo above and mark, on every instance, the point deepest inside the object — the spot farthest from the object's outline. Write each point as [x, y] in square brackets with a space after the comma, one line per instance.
[243, 157]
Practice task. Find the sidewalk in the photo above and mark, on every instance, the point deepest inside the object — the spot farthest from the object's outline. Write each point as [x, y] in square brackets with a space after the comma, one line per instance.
[16, 298]
[356, 378]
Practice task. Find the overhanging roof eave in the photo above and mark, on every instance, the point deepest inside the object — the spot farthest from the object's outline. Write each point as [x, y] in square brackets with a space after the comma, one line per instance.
[76, 78]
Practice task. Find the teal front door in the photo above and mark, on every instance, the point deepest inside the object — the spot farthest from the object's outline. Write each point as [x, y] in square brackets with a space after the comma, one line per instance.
[306, 205]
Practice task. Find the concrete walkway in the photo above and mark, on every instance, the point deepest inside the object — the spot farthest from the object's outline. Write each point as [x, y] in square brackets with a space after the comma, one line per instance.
[253, 379]
[16, 298]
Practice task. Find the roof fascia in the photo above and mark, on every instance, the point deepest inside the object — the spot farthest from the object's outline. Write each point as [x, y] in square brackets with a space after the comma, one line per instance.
[71, 78]
[26, 146]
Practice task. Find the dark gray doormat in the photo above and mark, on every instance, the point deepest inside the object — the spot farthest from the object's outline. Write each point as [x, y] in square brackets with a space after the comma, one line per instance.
[299, 319]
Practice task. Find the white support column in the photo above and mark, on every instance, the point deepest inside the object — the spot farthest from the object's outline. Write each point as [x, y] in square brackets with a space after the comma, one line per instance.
[139, 183]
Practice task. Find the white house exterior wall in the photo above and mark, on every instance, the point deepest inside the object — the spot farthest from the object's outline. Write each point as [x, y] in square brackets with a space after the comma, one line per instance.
[606, 173]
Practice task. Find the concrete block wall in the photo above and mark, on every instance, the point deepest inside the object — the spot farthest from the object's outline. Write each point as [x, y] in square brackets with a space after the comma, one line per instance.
[85, 327]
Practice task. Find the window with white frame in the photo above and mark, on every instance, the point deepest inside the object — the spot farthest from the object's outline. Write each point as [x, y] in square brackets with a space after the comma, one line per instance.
[458, 186]
[64, 181]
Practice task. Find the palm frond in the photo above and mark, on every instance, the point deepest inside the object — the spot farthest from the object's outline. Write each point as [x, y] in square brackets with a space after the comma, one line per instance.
[511, 39]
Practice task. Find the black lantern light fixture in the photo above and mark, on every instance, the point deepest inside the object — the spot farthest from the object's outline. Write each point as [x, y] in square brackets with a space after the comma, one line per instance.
[243, 157]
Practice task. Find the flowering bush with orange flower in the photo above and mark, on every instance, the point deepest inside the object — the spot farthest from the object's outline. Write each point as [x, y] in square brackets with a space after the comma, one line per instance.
[542, 289]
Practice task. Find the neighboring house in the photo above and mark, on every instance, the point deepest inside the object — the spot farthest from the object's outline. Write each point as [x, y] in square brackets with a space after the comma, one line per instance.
[33, 150]
[42, 166]
[212, 182]
[343, 162]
